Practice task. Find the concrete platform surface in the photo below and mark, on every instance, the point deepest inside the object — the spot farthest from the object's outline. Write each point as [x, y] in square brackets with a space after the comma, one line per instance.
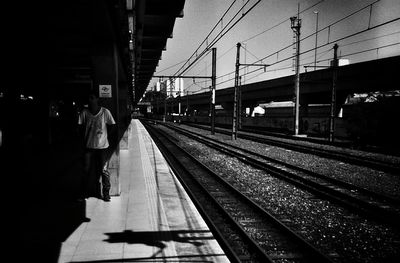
[152, 220]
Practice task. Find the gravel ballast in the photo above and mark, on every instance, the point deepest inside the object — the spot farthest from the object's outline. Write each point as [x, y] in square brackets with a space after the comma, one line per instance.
[335, 230]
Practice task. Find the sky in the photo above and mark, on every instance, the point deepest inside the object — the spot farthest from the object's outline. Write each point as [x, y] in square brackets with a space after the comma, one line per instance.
[266, 29]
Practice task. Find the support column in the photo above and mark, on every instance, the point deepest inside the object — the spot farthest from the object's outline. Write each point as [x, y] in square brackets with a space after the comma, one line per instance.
[106, 73]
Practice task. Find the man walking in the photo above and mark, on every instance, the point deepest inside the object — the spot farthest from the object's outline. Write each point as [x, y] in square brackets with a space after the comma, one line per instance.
[96, 123]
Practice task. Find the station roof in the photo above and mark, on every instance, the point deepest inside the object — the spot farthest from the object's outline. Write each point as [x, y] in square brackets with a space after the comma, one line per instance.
[78, 29]
[155, 20]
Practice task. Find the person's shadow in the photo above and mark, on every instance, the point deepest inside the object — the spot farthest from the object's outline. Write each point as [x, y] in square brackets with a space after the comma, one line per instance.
[157, 239]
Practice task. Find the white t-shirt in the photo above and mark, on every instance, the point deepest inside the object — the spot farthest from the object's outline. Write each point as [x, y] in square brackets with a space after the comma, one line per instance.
[96, 127]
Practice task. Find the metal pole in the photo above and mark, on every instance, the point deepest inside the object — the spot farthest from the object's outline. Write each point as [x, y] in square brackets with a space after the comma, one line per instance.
[172, 97]
[316, 41]
[187, 103]
[296, 25]
[297, 83]
[158, 110]
[165, 107]
[239, 114]
[213, 82]
[179, 108]
[335, 65]
[235, 96]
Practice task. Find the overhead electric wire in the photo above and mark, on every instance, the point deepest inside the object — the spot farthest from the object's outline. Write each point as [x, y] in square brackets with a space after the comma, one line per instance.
[205, 39]
[220, 56]
[345, 55]
[328, 26]
[363, 40]
[329, 42]
[308, 8]
[220, 35]
[308, 63]
[371, 49]
[282, 22]
[248, 51]
[342, 45]
[321, 54]
[214, 41]
[171, 66]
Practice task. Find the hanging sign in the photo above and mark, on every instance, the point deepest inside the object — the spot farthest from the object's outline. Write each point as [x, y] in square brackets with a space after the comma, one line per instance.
[105, 91]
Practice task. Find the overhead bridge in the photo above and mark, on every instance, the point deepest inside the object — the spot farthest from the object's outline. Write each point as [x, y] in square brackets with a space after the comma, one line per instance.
[315, 87]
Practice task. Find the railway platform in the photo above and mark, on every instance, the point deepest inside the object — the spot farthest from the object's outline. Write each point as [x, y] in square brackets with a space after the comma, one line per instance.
[152, 220]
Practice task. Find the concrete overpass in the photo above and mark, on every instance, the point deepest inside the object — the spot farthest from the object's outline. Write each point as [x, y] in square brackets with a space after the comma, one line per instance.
[315, 87]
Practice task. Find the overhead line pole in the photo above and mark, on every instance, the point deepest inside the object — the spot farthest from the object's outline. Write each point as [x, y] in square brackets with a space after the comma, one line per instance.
[316, 41]
[335, 64]
[235, 95]
[213, 81]
[237, 104]
[213, 78]
[296, 25]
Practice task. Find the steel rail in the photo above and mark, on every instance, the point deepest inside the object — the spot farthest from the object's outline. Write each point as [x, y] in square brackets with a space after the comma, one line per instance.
[317, 256]
[344, 157]
[374, 209]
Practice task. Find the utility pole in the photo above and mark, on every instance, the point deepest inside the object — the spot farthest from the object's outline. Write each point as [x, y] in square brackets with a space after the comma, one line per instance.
[237, 99]
[179, 108]
[240, 104]
[213, 80]
[165, 105]
[335, 64]
[213, 83]
[187, 103]
[316, 41]
[235, 96]
[296, 25]
[171, 88]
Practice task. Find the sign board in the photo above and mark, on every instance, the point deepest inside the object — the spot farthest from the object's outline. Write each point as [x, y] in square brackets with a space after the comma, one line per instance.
[105, 91]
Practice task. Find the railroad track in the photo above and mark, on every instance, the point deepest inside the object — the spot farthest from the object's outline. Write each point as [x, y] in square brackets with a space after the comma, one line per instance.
[331, 154]
[359, 200]
[246, 232]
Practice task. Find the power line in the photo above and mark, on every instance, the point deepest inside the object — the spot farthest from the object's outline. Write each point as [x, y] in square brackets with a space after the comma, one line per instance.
[308, 8]
[320, 54]
[171, 66]
[350, 54]
[328, 26]
[371, 49]
[219, 57]
[363, 40]
[308, 63]
[214, 41]
[282, 22]
[207, 36]
[250, 53]
[329, 42]
[220, 35]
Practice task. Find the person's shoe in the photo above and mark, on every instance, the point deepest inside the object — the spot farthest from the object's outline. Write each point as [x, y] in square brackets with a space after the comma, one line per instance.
[107, 199]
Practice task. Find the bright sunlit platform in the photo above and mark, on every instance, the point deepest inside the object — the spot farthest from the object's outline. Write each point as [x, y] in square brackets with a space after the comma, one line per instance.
[152, 220]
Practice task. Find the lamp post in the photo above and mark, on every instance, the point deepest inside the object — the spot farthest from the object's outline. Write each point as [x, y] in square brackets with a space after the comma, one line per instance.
[316, 41]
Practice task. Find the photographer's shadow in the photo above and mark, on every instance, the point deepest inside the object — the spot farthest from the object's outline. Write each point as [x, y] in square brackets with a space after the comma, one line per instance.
[159, 238]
